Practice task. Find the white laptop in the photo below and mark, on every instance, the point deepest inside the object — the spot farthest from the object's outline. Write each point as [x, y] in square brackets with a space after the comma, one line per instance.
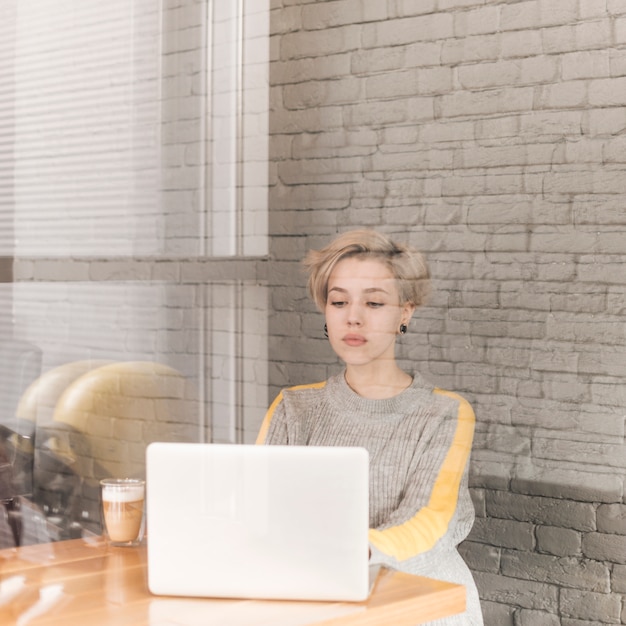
[256, 521]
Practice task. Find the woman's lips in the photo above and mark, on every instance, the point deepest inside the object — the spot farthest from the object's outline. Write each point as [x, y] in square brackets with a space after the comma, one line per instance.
[354, 340]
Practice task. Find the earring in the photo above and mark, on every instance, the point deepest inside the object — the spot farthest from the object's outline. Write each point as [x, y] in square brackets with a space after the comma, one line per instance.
[325, 331]
[403, 329]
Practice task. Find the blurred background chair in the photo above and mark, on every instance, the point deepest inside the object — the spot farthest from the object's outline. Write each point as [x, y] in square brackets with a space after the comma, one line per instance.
[35, 412]
[100, 427]
[20, 364]
[88, 420]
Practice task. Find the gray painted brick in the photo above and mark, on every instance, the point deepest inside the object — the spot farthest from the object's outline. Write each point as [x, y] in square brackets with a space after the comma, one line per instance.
[607, 92]
[485, 103]
[504, 533]
[61, 270]
[519, 43]
[620, 30]
[618, 579]
[585, 605]
[319, 43]
[406, 8]
[561, 417]
[562, 571]
[558, 482]
[588, 64]
[495, 614]
[340, 13]
[377, 60]
[600, 268]
[423, 53]
[301, 70]
[540, 510]
[561, 12]
[593, 34]
[605, 547]
[409, 30]
[559, 39]
[479, 21]
[311, 95]
[612, 518]
[470, 49]
[314, 120]
[558, 541]
[593, 8]
[518, 592]
[520, 16]
[285, 20]
[537, 618]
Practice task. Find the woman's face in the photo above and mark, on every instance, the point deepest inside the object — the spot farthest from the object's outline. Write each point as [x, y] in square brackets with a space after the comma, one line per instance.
[363, 311]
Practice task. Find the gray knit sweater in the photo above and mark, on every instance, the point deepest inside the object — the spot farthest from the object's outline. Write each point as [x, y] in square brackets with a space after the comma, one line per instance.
[419, 443]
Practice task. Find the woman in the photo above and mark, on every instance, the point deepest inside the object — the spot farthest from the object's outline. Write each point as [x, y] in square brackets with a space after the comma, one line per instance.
[419, 437]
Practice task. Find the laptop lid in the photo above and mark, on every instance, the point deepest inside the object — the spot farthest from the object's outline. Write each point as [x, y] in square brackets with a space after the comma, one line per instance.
[251, 521]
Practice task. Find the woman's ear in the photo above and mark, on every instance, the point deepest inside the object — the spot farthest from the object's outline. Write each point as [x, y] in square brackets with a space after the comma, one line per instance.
[407, 312]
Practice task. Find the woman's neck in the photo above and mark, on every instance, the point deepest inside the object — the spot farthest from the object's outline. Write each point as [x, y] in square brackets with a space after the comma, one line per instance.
[377, 383]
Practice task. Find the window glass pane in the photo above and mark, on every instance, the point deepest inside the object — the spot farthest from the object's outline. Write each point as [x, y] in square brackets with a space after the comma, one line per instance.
[134, 128]
[98, 371]
[133, 140]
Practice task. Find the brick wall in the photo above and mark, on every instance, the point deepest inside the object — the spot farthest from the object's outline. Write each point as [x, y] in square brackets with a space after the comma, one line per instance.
[492, 136]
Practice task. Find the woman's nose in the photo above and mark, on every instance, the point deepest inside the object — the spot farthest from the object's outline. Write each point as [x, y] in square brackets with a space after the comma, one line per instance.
[354, 315]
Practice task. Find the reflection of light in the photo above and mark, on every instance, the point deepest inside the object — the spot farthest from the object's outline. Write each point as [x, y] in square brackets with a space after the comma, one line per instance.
[23, 443]
[10, 587]
[48, 597]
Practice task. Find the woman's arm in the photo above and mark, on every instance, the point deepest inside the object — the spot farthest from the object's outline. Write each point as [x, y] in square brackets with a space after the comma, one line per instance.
[427, 510]
[273, 429]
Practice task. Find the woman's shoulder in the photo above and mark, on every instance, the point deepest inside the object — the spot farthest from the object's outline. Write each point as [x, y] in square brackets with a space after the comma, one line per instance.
[464, 407]
[306, 387]
[302, 393]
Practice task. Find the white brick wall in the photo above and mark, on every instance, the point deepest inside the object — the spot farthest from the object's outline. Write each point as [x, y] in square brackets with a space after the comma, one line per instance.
[490, 135]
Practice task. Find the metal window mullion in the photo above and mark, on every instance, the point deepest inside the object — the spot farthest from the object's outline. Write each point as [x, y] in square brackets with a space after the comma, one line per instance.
[239, 251]
[206, 200]
[239, 362]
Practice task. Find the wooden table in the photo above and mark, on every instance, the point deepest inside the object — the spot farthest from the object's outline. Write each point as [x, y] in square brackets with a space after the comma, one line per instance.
[85, 583]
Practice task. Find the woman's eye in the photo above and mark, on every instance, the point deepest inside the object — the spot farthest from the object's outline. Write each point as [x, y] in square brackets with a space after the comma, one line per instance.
[337, 303]
[375, 305]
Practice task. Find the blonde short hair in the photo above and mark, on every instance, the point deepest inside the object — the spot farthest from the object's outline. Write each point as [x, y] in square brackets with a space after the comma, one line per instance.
[407, 265]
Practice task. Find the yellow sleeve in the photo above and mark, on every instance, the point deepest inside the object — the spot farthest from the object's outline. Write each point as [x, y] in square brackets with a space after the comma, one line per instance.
[430, 523]
[265, 425]
[269, 416]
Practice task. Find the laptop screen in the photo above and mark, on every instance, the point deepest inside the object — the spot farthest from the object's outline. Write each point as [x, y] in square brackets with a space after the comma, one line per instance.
[279, 522]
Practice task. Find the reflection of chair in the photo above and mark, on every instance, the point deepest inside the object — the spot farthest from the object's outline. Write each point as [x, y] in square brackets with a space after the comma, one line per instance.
[20, 364]
[34, 410]
[120, 408]
[94, 421]
[39, 401]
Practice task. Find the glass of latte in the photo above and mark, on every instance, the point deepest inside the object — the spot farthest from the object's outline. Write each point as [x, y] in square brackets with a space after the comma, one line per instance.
[123, 510]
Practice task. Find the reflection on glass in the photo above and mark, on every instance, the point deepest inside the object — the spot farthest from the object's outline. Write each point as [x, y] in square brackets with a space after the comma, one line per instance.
[127, 129]
[126, 364]
[134, 128]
